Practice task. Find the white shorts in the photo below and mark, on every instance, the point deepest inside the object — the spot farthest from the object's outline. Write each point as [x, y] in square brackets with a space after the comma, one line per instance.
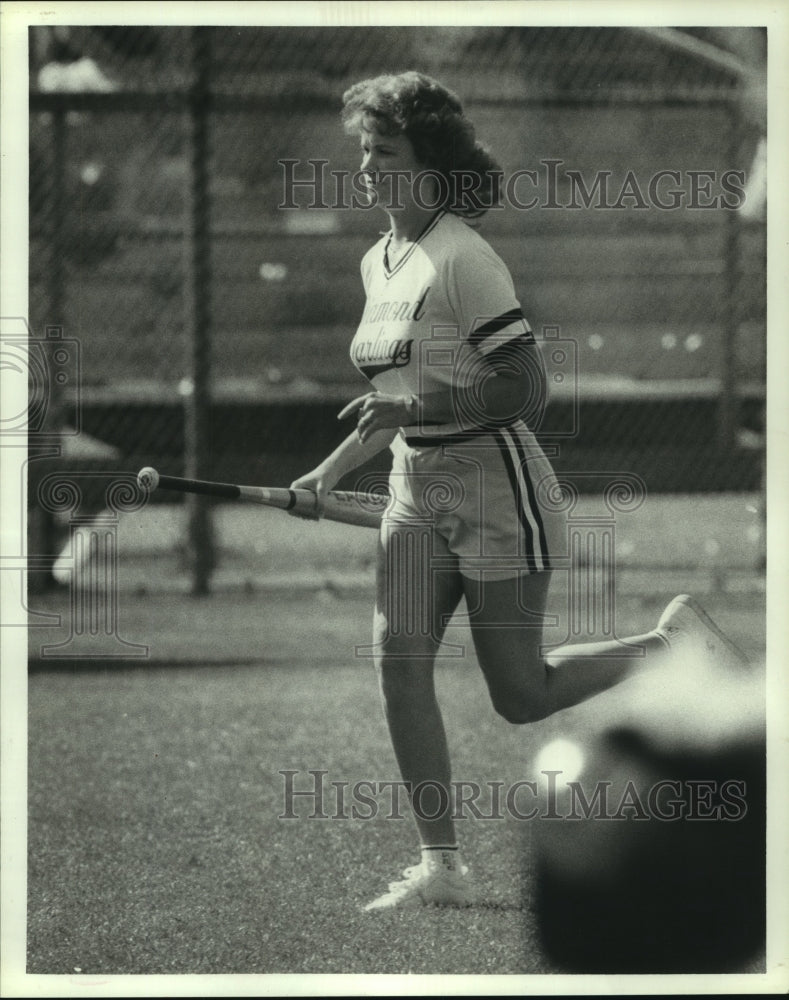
[487, 496]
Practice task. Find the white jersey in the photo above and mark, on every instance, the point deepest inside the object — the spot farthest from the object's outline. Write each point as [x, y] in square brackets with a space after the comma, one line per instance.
[431, 314]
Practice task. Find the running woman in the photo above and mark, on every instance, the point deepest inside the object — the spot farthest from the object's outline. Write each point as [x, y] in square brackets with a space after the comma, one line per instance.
[458, 388]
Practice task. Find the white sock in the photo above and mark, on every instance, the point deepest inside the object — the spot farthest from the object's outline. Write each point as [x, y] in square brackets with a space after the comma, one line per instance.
[443, 856]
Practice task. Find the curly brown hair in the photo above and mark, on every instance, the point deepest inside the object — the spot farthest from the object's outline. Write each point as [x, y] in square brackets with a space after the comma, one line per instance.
[444, 139]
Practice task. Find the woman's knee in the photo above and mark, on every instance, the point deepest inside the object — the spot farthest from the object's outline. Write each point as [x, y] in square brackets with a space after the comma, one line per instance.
[520, 697]
[519, 707]
[405, 677]
[517, 683]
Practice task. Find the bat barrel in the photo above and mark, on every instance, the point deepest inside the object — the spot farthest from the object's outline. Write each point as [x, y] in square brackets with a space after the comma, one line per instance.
[227, 490]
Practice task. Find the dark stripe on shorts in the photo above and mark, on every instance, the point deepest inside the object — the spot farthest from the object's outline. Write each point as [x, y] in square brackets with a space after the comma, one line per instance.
[509, 465]
[533, 506]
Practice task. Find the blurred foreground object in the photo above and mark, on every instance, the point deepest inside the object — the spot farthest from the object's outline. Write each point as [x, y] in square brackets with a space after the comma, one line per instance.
[650, 844]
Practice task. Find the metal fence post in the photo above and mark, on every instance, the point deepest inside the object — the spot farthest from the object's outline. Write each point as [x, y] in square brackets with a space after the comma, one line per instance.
[197, 281]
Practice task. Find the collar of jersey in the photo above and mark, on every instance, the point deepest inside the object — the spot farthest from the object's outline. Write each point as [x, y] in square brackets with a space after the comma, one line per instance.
[390, 271]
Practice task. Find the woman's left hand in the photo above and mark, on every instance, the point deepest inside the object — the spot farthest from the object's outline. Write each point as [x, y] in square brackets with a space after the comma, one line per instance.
[377, 411]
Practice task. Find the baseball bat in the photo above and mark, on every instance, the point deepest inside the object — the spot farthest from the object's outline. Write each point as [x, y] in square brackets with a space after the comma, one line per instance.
[363, 509]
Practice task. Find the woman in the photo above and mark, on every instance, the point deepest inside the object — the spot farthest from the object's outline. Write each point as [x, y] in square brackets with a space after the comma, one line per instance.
[458, 385]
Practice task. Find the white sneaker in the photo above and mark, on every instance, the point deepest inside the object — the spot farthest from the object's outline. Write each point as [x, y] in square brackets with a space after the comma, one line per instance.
[689, 630]
[421, 886]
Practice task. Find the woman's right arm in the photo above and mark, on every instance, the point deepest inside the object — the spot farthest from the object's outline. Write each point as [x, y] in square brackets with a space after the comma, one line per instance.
[344, 459]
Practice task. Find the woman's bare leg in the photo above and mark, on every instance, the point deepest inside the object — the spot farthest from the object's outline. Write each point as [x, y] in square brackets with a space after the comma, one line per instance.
[505, 617]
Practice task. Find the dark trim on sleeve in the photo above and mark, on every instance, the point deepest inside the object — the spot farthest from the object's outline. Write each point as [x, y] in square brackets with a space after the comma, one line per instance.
[494, 325]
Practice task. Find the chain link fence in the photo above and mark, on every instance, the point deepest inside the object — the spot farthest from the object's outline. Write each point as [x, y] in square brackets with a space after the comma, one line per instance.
[213, 324]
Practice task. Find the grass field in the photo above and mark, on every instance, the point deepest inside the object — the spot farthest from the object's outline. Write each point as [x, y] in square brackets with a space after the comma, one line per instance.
[155, 843]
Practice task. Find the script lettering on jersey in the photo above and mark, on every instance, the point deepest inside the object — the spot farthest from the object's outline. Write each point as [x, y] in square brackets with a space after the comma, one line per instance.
[385, 351]
[372, 357]
[396, 311]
